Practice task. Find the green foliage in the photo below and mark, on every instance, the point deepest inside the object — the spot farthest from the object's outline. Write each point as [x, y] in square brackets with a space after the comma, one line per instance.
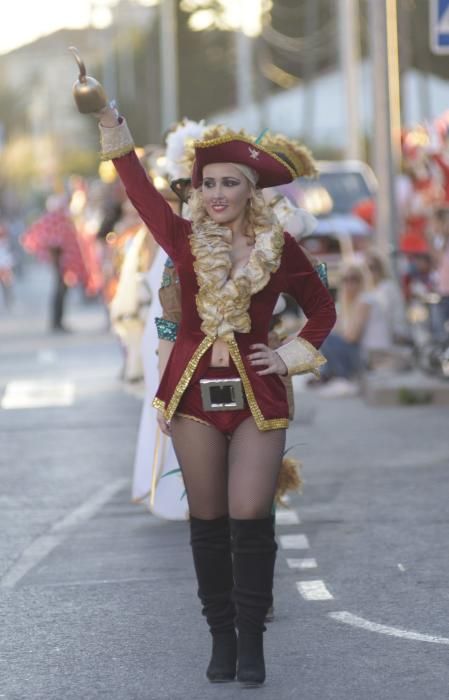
[414, 397]
[12, 111]
[81, 162]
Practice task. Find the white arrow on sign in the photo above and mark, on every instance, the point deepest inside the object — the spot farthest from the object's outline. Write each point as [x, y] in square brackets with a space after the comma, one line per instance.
[443, 23]
[439, 26]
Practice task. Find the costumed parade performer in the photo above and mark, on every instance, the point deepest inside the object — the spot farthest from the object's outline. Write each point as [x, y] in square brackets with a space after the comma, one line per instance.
[221, 394]
[131, 302]
[157, 479]
[55, 239]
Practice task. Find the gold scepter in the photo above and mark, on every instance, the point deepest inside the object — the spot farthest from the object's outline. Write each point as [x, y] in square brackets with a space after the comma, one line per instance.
[89, 94]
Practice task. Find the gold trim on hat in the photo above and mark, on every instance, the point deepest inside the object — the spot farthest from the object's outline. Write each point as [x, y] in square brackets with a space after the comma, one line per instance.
[227, 139]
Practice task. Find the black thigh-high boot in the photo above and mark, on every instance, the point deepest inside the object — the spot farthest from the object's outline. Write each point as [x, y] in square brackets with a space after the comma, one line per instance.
[254, 549]
[211, 548]
[269, 617]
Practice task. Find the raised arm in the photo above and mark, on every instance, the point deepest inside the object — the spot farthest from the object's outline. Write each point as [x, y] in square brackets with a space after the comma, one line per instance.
[117, 145]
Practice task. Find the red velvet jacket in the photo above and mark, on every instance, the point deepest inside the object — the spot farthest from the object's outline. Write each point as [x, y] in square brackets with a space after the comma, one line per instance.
[190, 357]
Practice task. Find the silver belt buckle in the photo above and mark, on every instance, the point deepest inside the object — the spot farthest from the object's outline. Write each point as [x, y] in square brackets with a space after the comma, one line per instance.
[222, 394]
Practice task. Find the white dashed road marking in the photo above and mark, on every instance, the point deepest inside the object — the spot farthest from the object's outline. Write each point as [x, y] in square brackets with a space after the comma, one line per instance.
[314, 590]
[37, 394]
[43, 545]
[350, 619]
[302, 563]
[294, 542]
[46, 357]
[317, 590]
[287, 517]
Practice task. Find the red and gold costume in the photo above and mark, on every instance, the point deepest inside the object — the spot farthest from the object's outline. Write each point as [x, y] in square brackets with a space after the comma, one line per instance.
[236, 307]
[55, 230]
[232, 531]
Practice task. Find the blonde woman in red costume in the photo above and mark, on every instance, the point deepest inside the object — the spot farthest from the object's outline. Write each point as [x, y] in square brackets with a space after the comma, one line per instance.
[221, 394]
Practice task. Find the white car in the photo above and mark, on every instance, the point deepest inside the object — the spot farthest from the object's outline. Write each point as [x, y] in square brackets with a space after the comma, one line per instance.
[331, 197]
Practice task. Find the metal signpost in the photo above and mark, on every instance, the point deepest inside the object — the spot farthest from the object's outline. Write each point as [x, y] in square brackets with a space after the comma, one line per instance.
[439, 26]
[383, 36]
[169, 63]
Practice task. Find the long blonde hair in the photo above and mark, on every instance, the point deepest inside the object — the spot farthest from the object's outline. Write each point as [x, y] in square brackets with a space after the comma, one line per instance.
[381, 266]
[345, 303]
[259, 216]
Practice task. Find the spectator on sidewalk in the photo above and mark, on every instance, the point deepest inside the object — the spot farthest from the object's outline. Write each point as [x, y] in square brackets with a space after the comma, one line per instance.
[439, 244]
[370, 329]
[386, 328]
[342, 347]
[442, 274]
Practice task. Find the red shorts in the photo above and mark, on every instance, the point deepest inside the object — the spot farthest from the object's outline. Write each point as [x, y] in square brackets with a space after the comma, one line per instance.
[191, 405]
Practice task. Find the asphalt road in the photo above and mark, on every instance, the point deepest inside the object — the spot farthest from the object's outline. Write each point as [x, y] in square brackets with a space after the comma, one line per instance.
[98, 597]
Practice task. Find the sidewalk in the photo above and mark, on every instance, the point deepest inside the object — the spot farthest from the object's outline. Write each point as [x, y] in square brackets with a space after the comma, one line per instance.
[404, 388]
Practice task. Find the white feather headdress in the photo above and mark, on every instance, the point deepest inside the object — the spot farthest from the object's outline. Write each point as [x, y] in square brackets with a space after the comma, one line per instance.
[176, 141]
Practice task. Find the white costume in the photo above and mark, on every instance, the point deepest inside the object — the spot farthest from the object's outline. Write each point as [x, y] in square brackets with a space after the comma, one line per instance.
[157, 479]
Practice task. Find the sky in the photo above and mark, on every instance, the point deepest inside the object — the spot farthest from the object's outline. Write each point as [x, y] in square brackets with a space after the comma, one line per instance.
[25, 20]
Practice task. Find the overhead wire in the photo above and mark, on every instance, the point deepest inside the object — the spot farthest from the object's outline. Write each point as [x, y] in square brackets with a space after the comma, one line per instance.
[314, 41]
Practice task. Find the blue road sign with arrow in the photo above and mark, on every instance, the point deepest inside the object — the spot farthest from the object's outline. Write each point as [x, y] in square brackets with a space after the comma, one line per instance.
[439, 26]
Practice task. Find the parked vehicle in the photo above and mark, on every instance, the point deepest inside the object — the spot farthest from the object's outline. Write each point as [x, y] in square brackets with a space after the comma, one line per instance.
[430, 345]
[331, 197]
[347, 182]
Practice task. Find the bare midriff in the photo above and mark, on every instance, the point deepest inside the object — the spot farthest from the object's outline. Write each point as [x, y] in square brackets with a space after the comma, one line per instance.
[220, 354]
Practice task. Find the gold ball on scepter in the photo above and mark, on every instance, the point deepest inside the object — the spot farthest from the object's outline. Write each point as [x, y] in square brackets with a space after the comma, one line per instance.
[88, 93]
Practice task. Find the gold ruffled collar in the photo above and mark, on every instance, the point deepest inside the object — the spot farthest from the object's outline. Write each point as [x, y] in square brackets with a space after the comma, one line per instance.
[223, 299]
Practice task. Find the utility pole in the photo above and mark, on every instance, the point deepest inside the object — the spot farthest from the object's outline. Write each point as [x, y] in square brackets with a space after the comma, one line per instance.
[394, 81]
[349, 50]
[249, 14]
[125, 22]
[309, 65]
[126, 68]
[386, 111]
[109, 61]
[243, 69]
[108, 51]
[168, 52]
[405, 49]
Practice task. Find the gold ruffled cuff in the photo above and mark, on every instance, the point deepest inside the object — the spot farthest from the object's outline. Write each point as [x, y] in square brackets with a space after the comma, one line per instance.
[301, 357]
[116, 141]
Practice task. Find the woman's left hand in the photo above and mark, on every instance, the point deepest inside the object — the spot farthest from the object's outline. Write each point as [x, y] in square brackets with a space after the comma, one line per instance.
[266, 356]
